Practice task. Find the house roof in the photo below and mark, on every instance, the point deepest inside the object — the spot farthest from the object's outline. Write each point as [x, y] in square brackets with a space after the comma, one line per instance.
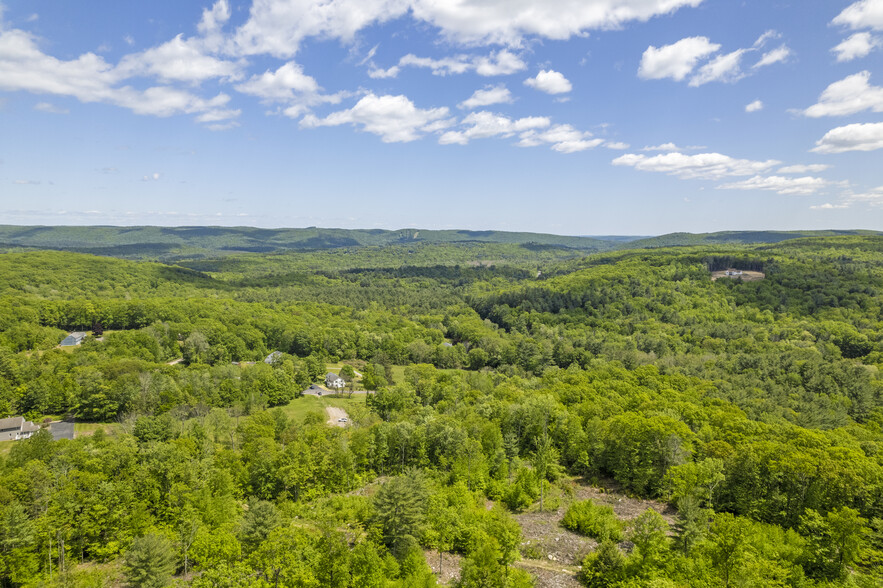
[273, 357]
[332, 375]
[29, 427]
[11, 423]
[18, 424]
[74, 338]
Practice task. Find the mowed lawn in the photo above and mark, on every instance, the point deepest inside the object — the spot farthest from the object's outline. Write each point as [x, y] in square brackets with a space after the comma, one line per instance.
[299, 408]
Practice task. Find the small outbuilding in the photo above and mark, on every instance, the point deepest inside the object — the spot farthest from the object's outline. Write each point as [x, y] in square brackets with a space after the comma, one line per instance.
[273, 357]
[73, 339]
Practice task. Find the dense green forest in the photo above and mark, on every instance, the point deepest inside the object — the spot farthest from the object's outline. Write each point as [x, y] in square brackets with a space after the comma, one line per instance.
[539, 412]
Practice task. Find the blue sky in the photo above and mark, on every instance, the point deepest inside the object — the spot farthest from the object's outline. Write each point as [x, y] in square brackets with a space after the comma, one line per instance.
[562, 116]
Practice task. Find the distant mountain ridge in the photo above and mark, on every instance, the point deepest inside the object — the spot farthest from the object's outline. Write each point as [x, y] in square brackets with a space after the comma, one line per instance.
[159, 242]
[153, 242]
[736, 237]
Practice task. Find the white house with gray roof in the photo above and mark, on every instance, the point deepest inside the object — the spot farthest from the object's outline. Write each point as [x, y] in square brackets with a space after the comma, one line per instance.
[74, 338]
[16, 428]
[334, 381]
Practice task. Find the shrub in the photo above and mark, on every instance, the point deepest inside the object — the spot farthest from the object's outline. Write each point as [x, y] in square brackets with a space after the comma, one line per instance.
[599, 522]
[604, 567]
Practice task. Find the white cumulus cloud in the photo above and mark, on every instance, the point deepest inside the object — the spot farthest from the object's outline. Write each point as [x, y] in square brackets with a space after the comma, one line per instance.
[829, 206]
[778, 54]
[663, 147]
[377, 73]
[394, 118]
[701, 165]
[498, 63]
[487, 96]
[507, 22]
[212, 23]
[865, 14]
[723, 68]
[873, 197]
[675, 61]
[856, 46]
[180, 59]
[89, 78]
[484, 124]
[280, 85]
[563, 138]
[850, 95]
[754, 106]
[803, 169]
[278, 28]
[531, 131]
[550, 82]
[854, 137]
[780, 184]
[680, 60]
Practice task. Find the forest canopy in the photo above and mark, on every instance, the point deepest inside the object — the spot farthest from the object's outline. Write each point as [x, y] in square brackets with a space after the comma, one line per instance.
[498, 395]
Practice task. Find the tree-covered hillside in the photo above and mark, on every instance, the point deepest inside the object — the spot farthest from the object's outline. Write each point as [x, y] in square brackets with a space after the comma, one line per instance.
[534, 416]
[172, 244]
[167, 242]
[735, 237]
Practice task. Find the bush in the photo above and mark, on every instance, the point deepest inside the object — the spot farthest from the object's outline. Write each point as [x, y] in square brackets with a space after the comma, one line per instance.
[604, 567]
[599, 522]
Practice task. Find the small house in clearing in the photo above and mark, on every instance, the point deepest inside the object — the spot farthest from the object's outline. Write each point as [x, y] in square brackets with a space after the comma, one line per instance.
[16, 428]
[74, 338]
[273, 357]
[734, 272]
[334, 381]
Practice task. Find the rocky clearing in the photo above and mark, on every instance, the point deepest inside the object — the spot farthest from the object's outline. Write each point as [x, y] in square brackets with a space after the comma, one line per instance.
[551, 553]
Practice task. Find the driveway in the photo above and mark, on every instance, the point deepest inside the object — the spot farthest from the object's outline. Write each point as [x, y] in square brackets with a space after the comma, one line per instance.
[334, 416]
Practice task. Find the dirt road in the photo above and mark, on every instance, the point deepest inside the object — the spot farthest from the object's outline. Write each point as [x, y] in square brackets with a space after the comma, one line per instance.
[334, 416]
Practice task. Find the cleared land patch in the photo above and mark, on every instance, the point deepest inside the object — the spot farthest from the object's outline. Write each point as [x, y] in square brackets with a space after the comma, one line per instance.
[556, 553]
[335, 415]
[744, 275]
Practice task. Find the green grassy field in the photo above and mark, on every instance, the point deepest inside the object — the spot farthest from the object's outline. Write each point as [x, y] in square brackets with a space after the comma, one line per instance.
[86, 429]
[299, 408]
